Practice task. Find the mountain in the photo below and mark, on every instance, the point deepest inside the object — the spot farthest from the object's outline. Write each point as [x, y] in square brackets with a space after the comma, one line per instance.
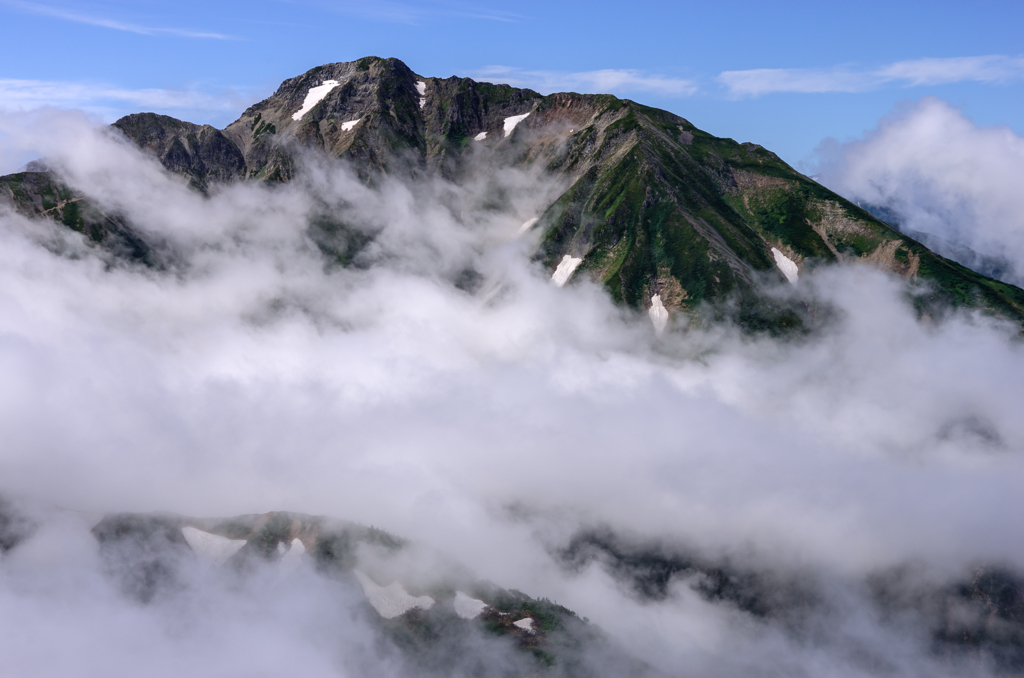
[665, 216]
[441, 618]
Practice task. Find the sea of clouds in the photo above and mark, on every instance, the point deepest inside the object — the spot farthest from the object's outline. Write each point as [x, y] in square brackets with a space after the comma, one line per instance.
[492, 421]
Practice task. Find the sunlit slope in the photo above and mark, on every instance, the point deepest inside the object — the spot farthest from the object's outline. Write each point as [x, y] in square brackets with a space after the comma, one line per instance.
[652, 205]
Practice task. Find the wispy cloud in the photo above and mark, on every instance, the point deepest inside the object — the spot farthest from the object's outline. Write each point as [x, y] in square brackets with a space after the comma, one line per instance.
[606, 80]
[994, 68]
[988, 69]
[66, 15]
[107, 100]
[411, 13]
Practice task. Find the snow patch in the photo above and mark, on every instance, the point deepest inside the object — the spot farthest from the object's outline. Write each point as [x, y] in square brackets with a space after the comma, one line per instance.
[481, 136]
[346, 126]
[527, 226]
[315, 96]
[421, 87]
[466, 607]
[211, 547]
[511, 122]
[524, 623]
[392, 600]
[786, 265]
[658, 313]
[565, 269]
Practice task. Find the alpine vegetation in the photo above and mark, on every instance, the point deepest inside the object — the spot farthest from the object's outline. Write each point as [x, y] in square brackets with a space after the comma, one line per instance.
[402, 375]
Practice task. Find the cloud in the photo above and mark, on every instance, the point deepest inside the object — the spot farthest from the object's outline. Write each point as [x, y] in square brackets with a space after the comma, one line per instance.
[109, 102]
[595, 82]
[29, 94]
[993, 68]
[414, 14]
[493, 422]
[58, 13]
[986, 69]
[939, 173]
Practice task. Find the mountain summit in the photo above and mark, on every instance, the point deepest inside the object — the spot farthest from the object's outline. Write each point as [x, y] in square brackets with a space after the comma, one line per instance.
[665, 216]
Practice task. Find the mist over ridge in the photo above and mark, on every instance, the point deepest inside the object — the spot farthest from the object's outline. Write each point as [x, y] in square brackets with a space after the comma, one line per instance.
[421, 373]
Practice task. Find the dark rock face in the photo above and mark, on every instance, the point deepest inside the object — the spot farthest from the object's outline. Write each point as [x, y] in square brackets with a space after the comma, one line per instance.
[200, 152]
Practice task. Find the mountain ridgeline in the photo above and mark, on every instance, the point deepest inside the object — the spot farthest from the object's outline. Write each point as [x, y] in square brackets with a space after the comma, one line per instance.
[665, 216]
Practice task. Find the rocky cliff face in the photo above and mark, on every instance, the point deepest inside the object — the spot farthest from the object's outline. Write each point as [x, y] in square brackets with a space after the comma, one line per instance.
[200, 152]
[664, 215]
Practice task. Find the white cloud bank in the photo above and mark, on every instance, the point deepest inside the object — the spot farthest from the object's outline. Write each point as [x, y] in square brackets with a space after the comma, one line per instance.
[939, 173]
[254, 377]
[929, 71]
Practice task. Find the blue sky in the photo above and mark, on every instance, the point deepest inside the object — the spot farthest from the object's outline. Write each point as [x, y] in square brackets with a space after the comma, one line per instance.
[786, 76]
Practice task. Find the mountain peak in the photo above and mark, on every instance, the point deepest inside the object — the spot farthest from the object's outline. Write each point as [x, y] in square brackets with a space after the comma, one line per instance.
[654, 209]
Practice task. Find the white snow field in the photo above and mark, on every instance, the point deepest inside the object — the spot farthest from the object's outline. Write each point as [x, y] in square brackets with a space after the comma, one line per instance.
[212, 548]
[658, 313]
[565, 269]
[481, 136]
[527, 226]
[526, 623]
[511, 122]
[346, 126]
[786, 265]
[315, 96]
[466, 607]
[421, 87]
[392, 600]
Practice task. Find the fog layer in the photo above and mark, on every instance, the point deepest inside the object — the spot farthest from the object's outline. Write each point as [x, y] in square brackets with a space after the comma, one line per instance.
[492, 420]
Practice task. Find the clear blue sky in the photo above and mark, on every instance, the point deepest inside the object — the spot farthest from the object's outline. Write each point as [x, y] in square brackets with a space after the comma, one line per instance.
[785, 76]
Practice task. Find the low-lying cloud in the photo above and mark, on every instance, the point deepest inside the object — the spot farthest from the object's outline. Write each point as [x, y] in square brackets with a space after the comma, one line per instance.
[937, 172]
[494, 421]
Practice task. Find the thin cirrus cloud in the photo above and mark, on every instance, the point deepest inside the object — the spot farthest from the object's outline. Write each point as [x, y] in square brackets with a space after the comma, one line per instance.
[113, 24]
[413, 14]
[929, 71]
[600, 81]
[104, 98]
